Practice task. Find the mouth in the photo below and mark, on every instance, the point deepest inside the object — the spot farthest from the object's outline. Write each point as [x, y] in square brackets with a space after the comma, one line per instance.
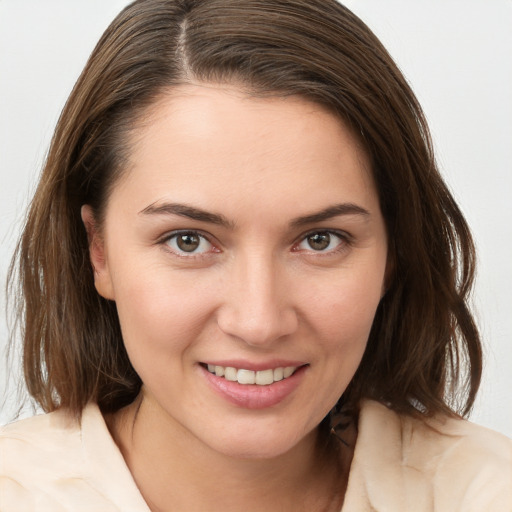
[257, 388]
[250, 377]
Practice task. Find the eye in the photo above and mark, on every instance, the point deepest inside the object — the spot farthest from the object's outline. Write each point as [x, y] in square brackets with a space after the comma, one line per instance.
[189, 242]
[321, 241]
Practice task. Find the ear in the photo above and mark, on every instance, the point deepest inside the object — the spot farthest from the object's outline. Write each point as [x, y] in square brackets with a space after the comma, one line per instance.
[97, 254]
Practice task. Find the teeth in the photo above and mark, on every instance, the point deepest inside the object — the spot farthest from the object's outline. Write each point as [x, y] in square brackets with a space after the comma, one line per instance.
[260, 378]
[230, 374]
[264, 377]
[288, 371]
[278, 374]
[246, 377]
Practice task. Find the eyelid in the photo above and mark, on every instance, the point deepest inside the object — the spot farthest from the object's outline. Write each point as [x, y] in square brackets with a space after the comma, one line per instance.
[163, 240]
[345, 237]
[346, 240]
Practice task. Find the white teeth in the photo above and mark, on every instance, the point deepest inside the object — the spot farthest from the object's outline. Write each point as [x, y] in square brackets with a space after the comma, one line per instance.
[230, 373]
[288, 371]
[264, 377]
[246, 377]
[278, 374]
[260, 378]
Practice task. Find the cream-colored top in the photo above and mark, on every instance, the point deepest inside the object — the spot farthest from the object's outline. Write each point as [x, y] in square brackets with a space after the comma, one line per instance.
[51, 463]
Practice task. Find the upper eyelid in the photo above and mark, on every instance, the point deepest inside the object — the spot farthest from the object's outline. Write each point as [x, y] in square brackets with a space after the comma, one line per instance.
[171, 234]
[338, 232]
[346, 240]
[175, 232]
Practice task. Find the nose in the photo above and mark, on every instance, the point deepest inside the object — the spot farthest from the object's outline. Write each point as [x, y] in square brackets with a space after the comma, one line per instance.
[257, 306]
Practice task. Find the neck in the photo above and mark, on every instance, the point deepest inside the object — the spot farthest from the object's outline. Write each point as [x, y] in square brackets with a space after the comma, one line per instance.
[174, 470]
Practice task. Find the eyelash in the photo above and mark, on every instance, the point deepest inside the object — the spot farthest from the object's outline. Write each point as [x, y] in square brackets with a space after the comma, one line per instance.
[345, 240]
[166, 240]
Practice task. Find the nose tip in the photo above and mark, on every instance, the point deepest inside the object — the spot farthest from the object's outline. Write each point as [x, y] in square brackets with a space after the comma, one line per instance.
[257, 308]
[257, 328]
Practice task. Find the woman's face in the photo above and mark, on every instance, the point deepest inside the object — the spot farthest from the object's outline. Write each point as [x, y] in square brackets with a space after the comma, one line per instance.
[243, 244]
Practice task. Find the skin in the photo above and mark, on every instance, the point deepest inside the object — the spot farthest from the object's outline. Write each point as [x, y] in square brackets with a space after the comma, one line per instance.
[255, 290]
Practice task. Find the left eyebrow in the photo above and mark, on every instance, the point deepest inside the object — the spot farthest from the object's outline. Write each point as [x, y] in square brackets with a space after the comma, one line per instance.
[329, 213]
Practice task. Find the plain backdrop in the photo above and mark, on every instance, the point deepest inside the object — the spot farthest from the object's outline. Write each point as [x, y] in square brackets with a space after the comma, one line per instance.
[456, 54]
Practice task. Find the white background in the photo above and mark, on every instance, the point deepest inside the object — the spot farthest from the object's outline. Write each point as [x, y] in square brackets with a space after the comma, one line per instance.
[457, 56]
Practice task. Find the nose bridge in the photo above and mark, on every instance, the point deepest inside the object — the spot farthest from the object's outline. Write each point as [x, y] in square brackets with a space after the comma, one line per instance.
[256, 308]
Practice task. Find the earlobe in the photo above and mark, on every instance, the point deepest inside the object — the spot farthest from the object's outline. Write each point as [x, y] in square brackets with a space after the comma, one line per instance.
[97, 254]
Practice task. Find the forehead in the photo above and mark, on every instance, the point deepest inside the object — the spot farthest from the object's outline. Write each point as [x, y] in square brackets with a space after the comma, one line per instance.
[213, 143]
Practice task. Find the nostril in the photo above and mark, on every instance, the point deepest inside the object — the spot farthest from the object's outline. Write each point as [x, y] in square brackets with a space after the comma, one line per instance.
[258, 325]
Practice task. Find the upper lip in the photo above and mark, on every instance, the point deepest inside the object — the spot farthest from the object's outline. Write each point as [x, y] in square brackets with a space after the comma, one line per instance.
[255, 366]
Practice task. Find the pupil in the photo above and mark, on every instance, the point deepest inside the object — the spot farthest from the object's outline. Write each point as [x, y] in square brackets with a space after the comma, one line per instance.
[188, 242]
[319, 241]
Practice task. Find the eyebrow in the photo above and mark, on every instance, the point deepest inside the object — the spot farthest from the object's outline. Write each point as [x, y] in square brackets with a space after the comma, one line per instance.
[191, 212]
[330, 212]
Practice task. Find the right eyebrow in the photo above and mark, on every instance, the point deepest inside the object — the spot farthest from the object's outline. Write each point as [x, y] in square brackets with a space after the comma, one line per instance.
[189, 212]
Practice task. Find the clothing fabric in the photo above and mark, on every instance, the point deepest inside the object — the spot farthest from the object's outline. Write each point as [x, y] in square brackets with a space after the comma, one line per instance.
[54, 463]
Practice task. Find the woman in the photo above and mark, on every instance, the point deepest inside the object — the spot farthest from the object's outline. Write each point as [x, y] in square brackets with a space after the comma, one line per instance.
[244, 282]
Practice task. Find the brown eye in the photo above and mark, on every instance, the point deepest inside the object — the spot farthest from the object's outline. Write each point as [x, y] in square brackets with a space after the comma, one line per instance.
[319, 241]
[189, 242]
[322, 241]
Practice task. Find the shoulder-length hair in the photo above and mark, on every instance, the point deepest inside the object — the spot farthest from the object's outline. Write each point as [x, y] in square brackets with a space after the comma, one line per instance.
[423, 354]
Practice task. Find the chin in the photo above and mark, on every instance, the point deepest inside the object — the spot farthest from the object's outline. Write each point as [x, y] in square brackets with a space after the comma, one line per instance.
[251, 442]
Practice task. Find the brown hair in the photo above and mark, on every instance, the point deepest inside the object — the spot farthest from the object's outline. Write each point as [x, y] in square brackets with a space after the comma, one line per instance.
[423, 354]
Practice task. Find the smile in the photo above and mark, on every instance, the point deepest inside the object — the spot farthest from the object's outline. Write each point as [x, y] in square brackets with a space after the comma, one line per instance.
[260, 377]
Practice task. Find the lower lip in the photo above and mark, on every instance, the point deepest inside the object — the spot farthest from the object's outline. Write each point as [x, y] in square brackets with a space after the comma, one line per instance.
[252, 396]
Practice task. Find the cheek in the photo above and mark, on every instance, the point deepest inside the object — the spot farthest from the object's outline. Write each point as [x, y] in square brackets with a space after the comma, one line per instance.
[343, 310]
[160, 311]
[340, 320]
